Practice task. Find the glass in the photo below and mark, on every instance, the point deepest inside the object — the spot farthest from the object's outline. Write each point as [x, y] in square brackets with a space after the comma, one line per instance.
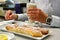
[30, 16]
[33, 17]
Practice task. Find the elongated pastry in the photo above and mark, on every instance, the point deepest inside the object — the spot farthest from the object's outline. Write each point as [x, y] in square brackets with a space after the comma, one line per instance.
[44, 31]
[25, 30]
[10, 28]
[33, 31]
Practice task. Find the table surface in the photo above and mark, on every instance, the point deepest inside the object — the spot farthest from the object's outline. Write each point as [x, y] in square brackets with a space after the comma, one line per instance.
[55, 35]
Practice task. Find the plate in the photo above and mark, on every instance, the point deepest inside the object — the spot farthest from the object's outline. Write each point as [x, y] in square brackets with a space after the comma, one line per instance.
[25, 35]
[10, 35]
[37, 38]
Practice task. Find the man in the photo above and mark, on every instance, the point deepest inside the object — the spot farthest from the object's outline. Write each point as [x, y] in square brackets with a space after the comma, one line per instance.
[43, 7]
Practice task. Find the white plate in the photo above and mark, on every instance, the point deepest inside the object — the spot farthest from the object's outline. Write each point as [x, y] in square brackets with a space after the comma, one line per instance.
[38, 38]
[10, 35]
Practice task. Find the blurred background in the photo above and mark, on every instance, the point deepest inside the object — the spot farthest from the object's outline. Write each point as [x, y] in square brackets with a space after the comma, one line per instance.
[10, 5]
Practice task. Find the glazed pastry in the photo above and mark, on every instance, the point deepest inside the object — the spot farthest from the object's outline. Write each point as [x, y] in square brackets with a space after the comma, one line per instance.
[12, 29]
[33, 31]
[25, 30]
[44, 31]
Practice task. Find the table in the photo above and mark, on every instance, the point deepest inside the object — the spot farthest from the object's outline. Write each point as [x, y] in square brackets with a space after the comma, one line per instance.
[55, 35]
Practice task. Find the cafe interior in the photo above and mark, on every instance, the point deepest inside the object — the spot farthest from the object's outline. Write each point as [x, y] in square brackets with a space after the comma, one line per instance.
[29, 19]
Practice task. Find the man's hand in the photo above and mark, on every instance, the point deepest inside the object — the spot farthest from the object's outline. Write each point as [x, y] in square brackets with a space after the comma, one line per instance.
[10, 15]
[37, 15]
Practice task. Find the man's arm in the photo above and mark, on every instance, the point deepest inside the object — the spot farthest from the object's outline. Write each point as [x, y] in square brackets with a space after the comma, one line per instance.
[55, 21]
[22, 17]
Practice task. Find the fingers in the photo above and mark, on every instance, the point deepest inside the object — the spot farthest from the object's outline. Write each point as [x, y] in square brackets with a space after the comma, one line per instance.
[13, 16]
[8, 13]
[34, 13]
[10, 17]
[32, 9]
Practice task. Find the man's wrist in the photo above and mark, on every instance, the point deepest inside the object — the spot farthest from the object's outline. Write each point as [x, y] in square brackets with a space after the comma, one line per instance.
[49, 19]
[44, 18]
[16, 17]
